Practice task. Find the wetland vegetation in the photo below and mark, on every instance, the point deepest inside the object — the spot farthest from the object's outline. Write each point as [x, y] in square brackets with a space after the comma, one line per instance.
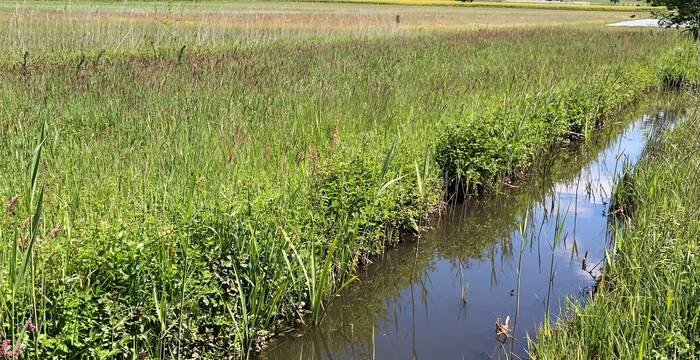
[646, 305]
[188, 181]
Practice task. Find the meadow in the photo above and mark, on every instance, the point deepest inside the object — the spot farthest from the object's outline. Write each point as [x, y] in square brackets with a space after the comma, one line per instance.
[595, 5]
[56, 30]
[183, 185]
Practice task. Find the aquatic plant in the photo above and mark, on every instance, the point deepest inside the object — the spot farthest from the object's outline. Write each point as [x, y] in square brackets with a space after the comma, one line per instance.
[481, 153]
[680, 67]
[646, 301]
[200, 201]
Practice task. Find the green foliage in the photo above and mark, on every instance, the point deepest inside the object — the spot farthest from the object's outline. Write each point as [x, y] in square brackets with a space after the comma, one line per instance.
[480, 152]
[647, 301]
[206, 202]
[681, 67]
[684, 13]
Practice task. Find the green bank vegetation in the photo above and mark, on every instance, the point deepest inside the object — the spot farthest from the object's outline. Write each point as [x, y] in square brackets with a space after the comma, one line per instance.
[173, 201]
[489, 150]
[647, 303]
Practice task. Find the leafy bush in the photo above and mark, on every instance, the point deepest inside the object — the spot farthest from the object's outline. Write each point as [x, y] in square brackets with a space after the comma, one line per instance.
[479, 152]
[680, 67]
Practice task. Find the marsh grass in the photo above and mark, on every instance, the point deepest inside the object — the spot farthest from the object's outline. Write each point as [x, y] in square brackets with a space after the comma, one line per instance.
[504, 140]
[19, 305]
[646, 303]
[212, 197]
[680, 69]
[504, 4]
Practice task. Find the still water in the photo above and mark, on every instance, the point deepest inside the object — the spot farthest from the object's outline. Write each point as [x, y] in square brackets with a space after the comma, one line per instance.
[440, 296]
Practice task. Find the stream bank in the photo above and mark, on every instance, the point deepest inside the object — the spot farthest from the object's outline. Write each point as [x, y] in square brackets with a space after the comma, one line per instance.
[441, 296]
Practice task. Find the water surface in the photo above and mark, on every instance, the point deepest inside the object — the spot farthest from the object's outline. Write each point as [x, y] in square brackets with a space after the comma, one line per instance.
[439, 297]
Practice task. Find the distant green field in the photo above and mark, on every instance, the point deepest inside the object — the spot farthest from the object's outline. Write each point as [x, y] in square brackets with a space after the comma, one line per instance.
[118, 27]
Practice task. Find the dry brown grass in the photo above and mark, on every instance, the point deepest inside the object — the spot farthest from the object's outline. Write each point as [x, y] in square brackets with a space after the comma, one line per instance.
[69, 29]
[318, 16]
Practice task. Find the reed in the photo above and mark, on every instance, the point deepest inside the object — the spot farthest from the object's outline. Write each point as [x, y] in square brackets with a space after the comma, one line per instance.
[646, 302]
[212, 197]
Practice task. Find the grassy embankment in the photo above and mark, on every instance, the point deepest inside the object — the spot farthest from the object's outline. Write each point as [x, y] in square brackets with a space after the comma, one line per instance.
[193, 199]
[648, 301]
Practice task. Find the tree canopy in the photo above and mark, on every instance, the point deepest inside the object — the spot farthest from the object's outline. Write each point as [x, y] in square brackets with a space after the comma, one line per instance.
[685, 13]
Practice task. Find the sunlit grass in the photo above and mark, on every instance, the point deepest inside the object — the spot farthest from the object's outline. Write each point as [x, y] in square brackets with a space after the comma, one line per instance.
[206, 187]
[83, 27]
[646, 301]
[506, 4]
[646, 304]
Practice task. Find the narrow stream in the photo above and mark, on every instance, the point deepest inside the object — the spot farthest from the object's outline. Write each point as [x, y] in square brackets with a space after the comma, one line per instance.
[440, 297]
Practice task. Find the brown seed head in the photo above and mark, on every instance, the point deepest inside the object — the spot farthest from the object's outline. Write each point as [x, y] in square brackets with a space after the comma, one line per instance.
[313, 154]
[9, 209]
[335, 137]
[222, 131]
[266, 152]
[52, 234]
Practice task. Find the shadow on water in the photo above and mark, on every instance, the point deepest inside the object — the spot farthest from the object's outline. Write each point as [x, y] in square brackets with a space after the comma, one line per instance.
[440, 297]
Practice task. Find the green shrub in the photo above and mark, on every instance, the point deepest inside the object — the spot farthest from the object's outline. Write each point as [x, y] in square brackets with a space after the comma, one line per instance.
[680, 67]
[479, 153]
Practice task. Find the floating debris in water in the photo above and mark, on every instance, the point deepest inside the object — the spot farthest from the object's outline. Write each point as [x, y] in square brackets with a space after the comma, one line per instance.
[502, 329]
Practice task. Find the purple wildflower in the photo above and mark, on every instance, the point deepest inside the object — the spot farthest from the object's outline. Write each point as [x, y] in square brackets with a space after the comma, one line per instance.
[30, 325]
[7, 352]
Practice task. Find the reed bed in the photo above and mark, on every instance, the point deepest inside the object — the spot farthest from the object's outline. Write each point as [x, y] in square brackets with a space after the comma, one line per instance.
[646, 304]
[646, 300]
[176, 198]
[71, 29]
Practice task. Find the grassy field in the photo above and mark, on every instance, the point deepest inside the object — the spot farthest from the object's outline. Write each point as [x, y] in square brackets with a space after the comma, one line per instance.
[595, 5]
[183, 184]
[647, 303]
[84, 28]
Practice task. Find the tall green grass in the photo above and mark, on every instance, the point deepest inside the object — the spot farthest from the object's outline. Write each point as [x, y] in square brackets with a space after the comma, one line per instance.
[197, 202]
[647, 302]
[503, 140]
[679, 69]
